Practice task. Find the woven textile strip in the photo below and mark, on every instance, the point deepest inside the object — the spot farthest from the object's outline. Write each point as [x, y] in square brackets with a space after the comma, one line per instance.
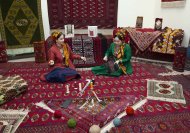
[88, 47]
[81, 13]
[165, 91]
[160, 123]
[77, 48]
[21, 22]
[143, 39]
[173, 3]
[11, 119]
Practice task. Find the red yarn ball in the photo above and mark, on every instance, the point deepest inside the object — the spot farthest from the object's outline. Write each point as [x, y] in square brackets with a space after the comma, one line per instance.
[130, 110]
[57, 114]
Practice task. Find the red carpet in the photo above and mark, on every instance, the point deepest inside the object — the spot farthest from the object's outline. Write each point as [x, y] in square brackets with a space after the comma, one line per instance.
[83, 13]
[39, 120]
[97, 114]
[159, 117]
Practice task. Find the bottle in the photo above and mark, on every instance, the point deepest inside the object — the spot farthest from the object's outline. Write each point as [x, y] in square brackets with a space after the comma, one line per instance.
[75, 85]
[91, 85]
[80, 87]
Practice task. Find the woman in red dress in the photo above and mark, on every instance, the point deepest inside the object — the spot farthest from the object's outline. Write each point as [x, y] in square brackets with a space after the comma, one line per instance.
[60, 58]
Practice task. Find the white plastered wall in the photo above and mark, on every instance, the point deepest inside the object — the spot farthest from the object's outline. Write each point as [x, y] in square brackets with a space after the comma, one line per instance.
[128, 10]
[150, 9]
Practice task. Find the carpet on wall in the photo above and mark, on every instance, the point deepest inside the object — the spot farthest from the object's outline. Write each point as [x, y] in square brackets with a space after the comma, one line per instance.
[83, 13]
[40, 120]
[173, 3]
[21, 22]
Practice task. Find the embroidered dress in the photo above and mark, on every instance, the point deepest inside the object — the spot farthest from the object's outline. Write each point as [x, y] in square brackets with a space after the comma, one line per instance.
[122, 53]
[63, 69]
[62, 59]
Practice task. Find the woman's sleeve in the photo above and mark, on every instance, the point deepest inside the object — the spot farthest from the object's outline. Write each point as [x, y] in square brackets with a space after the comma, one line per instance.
[127, 54]
[72, 55]
[109, 50]
[51, 55]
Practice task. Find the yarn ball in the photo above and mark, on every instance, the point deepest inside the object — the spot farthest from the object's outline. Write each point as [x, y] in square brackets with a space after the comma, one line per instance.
[117, 122]
[130, 110]
[57, 114]
[94, 129]
[71, 123]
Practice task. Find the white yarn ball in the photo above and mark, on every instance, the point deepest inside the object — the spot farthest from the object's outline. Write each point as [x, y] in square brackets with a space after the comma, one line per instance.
[94, 129]
[51, 62]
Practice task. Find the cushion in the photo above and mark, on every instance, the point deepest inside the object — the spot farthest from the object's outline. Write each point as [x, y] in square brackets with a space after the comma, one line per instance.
[3, 52]
[10, 87]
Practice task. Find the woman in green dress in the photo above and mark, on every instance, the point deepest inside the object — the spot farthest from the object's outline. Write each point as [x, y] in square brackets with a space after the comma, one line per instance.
[121, 53]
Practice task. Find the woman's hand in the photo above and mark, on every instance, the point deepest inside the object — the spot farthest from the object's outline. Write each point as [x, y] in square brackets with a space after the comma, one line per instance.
[117, 61]
[51, 62]
[83, 58]
[105, 58]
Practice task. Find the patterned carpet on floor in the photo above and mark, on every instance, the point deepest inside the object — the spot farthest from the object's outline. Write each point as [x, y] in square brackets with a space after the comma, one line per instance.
[135, 86]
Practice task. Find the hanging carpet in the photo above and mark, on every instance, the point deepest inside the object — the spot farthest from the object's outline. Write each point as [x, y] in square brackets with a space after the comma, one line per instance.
[82, 13]
[173, 3]
[21, 22]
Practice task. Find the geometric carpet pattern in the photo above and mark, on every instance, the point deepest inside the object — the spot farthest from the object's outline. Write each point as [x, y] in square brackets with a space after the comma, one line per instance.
[21, 22]
[167, 122]
[158, 116]
[93, 112]
[169, 91]
[83, 13]
[40, 120]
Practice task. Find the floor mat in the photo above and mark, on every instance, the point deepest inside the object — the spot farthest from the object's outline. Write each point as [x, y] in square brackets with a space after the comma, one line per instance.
[155, 124]
[39, 120]
[93, 112]
[169, 91]
[11, 119]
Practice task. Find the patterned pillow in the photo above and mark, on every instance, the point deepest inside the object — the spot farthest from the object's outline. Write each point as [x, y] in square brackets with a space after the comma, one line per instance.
[10, 87]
